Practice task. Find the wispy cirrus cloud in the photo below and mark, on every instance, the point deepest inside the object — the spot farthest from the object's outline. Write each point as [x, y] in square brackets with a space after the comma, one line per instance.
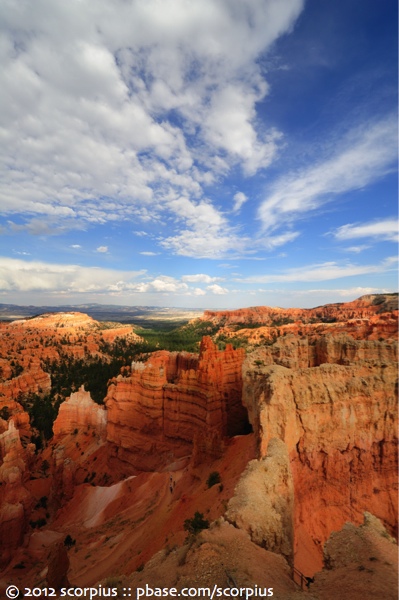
[352, 292]
[357, 249]
[383, 229]
[274, 241]
[323, 272]
[366, 154]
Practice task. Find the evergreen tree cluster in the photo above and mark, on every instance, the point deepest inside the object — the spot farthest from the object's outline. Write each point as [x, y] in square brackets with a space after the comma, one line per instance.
[186, 338]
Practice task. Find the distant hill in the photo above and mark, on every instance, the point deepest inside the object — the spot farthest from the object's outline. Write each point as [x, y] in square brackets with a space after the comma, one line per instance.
[103, 312]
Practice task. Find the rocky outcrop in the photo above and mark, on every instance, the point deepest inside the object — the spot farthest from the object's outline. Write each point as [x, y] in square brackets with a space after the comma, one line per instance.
[263, 501]
[339, 423]
[364, 307]
[15, 500]
[28, 343]
[79, 412]
[35, 381]
[155, 413]
[302, 352]
[10, 442]
[360, 562]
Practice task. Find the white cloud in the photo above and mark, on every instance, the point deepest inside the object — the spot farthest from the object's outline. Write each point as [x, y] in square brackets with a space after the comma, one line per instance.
[366, 155]
[353, 292]
[385, 229]
[357, 249]
[274, 241]
[229, 127]
[199, 292]
[90, 96]
[239, 199]
[102, 249]
[149, 253]
[199, 278]
[217, 289]
[323, 272]
[209, 242]
[27, 276]
[163, 284]
[207, 233]
[76, 246]
[18, 275]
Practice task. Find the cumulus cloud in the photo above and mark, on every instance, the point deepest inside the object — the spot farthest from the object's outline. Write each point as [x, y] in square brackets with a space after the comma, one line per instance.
[26, 276]
[209, 242]
[162, 284]
[199, 292]
[18, 275]
[365, 155]
[109, 109]
[385, 229]
[199, 278]
[102, 249]
[217, 289]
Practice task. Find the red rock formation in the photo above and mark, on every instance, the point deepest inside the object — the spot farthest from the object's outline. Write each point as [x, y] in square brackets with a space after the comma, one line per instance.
[339, 422]
[15, 500]
[302, 352]
[27, 342]
[35, 381]
[155, 414]
[79, 412]
[364, 307]
[322, 403]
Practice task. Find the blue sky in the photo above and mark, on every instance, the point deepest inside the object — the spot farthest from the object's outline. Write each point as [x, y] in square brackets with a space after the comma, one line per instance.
[203, 154]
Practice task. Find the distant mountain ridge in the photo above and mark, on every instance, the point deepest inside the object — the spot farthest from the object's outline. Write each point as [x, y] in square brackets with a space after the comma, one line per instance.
[101, 312]
[268, 315]
[123, 313]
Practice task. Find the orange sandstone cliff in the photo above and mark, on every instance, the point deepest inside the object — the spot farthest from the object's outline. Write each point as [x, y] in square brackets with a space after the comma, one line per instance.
[319, 394]
[174, 402]
[364, 307]
[334, 406]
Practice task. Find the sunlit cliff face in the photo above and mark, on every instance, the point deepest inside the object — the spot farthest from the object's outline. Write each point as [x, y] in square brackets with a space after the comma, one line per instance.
[299, 423]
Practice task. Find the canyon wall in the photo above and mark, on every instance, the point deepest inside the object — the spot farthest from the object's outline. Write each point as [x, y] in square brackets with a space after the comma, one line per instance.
[15, 499]
[338, 419]
[173, 402]
[363, 307]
